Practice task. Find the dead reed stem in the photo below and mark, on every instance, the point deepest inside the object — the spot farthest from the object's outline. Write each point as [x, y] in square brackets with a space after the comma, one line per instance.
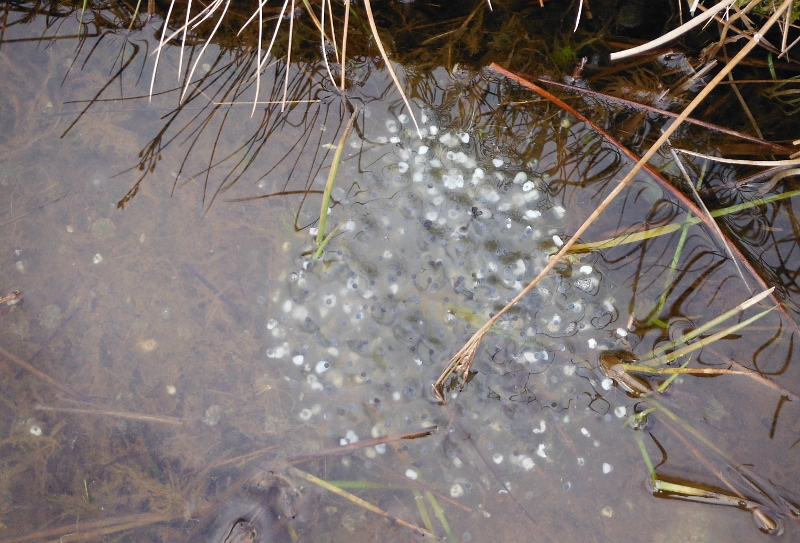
[462, 360]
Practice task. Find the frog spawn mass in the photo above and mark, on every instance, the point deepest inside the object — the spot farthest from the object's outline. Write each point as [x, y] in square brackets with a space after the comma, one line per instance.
[436, 240]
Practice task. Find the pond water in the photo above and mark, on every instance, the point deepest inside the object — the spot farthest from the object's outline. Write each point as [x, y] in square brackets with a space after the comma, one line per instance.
[181, 368]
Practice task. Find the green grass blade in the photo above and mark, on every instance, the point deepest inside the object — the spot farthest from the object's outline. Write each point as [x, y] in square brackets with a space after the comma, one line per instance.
[423, 512]
[684, 338]
[437, 510]
[326, 195]
[705, 341]
[674, 227]
[321, 248]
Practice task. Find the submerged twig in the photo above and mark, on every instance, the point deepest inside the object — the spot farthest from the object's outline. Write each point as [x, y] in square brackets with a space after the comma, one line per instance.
[109, 413]
[362, 444]
[40, 374]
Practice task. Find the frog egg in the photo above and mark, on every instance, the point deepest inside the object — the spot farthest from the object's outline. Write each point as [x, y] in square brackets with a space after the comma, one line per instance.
[453, 182]
[314, 383]
[35, 430]
[532, 214]
[277, 352]
[525, 462]
[391, 126]
[448, 139]
[411, 474]
[349, 437]
[491, 196]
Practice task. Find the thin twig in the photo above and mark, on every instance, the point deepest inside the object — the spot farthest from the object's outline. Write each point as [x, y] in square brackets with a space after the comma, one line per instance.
[118, 414]
[41, 375]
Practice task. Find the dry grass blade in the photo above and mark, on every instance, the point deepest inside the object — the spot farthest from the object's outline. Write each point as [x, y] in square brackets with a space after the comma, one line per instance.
[160, 45]
[322, 40]
[389, 68]
[669, 36]
[360, 502]
[350, 448]
[344, 40]
[258, 56]
[742, 162]
[772, 147]
[288, 57]
[96, 529]
[462, 361]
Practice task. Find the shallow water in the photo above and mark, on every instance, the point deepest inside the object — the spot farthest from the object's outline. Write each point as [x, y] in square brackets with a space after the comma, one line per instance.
[190, 349]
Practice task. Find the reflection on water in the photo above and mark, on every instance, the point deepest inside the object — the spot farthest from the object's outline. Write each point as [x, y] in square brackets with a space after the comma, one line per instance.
[184, 371]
